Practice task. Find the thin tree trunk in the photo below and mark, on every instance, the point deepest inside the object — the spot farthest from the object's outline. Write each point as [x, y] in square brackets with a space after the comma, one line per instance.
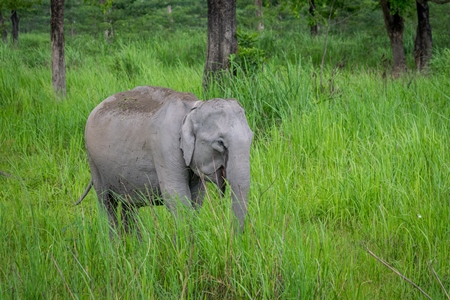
[109, 33]
[3, 29]
[395, 27]
[259, 14]
[423, 43]
[222, 39]
[15, 27]
[312, 12]
[57, 38]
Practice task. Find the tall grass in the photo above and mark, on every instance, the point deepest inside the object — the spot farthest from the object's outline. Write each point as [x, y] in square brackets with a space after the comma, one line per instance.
[359, 162]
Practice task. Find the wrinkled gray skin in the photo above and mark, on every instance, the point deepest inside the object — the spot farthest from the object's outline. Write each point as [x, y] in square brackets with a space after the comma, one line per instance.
[152, 145]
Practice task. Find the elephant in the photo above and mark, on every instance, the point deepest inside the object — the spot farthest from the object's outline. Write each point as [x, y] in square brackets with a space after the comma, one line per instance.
[155, 146]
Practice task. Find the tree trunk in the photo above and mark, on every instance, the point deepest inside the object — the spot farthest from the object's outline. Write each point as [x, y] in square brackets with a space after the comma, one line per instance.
[57, 38]
[15, 27]
[423, 43]
[312, 13]
[222, 40]
[3, 29]
[395, 27]
[259, 14]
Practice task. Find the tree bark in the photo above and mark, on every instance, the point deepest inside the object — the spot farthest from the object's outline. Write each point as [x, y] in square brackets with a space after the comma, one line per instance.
[423, 43]
[395, 27]
[312, 12]
[259, 14]
[222, 39]
[57, 38]
[15, 27]
[3, 29]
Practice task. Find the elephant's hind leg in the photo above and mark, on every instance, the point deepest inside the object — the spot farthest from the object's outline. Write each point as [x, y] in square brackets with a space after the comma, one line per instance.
[106, 200]
[129, 219]
[121, 216]
[109, 204]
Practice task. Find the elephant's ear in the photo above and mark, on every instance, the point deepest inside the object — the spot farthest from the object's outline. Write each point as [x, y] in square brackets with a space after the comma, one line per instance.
[187, 141]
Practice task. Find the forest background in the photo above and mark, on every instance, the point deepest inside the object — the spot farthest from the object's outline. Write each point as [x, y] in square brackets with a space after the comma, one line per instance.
[347, 161]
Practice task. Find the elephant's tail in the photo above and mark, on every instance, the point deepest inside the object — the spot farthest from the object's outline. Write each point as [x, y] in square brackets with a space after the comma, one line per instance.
[88, 188]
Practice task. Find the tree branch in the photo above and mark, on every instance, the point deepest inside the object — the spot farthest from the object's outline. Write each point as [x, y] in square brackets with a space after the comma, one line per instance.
[397, 272]
[5, 174]
[439, 281]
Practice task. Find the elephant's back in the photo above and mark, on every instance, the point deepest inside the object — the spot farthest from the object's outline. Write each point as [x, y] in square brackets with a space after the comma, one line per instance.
[142, 100]
[127, 127]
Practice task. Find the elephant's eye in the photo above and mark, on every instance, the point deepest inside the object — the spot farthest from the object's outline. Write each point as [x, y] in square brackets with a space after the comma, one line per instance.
[219, 145]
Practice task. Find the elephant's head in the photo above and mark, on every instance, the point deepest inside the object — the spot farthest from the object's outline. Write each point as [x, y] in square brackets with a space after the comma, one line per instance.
[215, 140]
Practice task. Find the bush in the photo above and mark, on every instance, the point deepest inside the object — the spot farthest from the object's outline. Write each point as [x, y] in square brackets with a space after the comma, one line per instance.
[440, 62]
[249, 59]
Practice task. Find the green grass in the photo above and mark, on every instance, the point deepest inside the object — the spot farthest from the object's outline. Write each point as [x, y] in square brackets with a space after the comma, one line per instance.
[362, 161]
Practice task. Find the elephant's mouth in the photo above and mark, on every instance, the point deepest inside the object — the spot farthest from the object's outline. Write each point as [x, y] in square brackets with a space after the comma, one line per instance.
[221, 184]
[218, 177]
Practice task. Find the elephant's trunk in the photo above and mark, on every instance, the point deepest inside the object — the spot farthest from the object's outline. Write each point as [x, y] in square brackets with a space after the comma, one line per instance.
[238, 176]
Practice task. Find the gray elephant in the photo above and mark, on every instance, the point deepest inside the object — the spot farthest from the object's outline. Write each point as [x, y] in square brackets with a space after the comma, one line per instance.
[153, 146]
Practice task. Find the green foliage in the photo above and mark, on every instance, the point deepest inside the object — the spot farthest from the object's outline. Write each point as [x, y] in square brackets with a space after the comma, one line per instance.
[403, 7]
[250, 59]
[322, 10]
[126, 63]
[105, 5]
[17, 4]
[332, 173]
[440, 62]
[362, 161]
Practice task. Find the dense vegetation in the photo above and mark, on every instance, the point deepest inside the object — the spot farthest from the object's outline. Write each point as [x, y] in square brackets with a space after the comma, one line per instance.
[357, 162]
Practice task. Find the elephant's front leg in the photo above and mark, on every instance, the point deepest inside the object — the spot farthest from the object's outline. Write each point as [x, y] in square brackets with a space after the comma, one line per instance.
[175, 189]
[198, 189]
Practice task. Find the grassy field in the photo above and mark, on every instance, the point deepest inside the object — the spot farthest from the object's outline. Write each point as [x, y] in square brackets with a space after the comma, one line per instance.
[360, 163]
